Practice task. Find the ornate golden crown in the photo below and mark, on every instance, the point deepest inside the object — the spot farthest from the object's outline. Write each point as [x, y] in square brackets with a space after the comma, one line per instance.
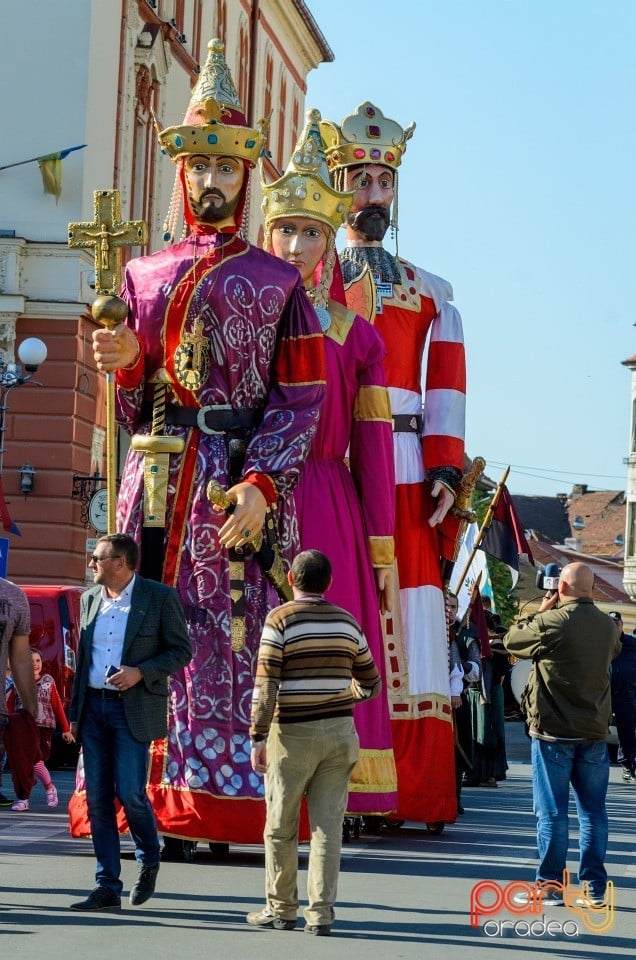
[204, 130]
[304, 189]
[367, 136]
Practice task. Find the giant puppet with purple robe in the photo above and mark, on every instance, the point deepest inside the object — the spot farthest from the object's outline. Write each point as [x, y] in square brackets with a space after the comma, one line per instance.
[222, 352]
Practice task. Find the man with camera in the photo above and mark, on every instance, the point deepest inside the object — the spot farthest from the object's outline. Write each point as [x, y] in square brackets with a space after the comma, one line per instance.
[567, 706]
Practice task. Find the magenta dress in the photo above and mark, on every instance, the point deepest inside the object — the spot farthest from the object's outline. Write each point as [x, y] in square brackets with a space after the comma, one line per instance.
[348, 513]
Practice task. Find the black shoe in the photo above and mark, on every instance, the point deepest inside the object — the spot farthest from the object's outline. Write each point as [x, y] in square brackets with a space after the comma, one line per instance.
[4, 801]
[318, 930]
[145, 886]
[101, 898]
[460, 809]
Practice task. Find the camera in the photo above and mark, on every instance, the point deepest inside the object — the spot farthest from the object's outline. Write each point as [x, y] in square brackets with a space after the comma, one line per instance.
[548, 578]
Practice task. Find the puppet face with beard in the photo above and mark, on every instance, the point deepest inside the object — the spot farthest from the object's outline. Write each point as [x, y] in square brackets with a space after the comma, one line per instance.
[370, 213]
[214, 187]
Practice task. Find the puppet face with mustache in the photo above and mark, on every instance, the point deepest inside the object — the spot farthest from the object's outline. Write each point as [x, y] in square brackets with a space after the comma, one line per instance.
[214, 187]
[370, 214]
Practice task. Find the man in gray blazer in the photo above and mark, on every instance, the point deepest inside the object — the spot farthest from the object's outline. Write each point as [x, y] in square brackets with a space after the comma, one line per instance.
[132, 637]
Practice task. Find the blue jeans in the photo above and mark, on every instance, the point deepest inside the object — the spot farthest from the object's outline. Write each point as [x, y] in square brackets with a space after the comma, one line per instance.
[554, 767]
[116, 765]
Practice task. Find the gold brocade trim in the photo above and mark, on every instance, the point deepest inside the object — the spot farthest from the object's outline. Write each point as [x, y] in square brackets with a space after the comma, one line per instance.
[177, 493]
[382, 551]
[406, 293]
[423, 705]
[374, 772]
[299, 383]
[372, 403]
[341, 322]
[156, 475]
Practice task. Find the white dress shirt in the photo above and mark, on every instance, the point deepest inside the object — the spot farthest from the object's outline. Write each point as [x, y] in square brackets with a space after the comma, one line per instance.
[108, 637]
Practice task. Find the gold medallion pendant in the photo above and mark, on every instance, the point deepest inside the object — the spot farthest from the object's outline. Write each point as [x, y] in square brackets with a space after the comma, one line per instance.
[192, 358]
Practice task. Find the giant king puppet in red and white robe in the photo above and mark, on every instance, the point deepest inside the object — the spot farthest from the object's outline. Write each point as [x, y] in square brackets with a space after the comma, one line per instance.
[409, 306]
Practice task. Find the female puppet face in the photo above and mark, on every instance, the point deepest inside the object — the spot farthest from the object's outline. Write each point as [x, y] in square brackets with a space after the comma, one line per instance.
[301, 241]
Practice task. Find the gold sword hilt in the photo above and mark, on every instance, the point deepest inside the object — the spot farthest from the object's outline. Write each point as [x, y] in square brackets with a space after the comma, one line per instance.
[217, 495]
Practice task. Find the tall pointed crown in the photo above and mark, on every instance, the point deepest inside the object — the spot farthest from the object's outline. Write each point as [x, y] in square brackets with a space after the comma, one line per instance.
[214, 124]
[304, 189]
[367, 136]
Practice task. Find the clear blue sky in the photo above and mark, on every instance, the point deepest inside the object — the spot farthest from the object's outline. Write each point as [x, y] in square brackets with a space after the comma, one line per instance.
[518, 187]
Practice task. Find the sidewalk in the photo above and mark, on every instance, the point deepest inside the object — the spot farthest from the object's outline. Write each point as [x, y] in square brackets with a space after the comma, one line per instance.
[403, 895]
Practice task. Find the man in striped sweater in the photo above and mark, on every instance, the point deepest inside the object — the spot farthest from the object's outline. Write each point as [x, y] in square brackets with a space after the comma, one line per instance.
[313, 665]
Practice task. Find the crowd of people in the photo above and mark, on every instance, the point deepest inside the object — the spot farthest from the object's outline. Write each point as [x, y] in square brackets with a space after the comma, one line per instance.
[290, 379]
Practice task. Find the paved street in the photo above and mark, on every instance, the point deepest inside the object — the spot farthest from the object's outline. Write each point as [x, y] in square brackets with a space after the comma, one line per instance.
[405, 894]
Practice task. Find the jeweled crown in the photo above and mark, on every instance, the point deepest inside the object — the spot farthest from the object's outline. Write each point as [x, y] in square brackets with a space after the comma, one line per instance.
[367, 136]
[214, 124]
[304, 190]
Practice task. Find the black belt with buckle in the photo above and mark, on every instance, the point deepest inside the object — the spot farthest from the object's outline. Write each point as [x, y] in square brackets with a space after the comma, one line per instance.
[103, 693]
[407, 423]
[213, 419]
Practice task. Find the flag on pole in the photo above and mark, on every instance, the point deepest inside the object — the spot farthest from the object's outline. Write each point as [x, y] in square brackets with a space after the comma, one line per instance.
[51, 170]
[505, 538]
[480, 624]
[477, 570]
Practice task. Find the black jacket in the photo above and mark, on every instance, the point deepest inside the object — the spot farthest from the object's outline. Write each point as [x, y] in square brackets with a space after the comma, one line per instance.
[156, 641]
[624, 670]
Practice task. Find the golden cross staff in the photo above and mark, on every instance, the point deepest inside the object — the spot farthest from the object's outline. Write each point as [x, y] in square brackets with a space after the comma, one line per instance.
[106, 235]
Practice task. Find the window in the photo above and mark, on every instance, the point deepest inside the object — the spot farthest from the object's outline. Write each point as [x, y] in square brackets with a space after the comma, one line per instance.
[221, 21]
[281, 122]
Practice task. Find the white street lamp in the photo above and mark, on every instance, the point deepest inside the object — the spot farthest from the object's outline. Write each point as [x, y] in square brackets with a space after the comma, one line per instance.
[31, 352]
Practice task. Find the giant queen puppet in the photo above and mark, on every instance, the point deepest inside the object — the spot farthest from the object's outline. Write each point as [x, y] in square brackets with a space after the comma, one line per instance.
[222, 352]
[345, 499]
[409, 307]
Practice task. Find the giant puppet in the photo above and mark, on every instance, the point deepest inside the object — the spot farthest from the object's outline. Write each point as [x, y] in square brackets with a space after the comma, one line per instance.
[223, 351]
[408, 307]
[346, 512]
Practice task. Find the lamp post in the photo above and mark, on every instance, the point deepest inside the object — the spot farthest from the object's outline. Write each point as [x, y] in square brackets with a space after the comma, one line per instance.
[31, 353]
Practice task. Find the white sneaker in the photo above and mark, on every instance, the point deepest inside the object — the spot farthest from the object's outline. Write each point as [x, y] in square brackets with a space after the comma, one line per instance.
[550, 898]
[590, 901]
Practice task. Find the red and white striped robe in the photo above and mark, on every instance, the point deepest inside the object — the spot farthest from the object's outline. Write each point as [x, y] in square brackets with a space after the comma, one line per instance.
[416, 636]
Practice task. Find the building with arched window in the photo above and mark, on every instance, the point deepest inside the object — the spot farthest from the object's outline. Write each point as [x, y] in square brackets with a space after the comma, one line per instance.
[117, 67]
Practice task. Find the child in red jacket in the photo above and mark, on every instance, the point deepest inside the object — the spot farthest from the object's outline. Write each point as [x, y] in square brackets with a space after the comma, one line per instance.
[50, 712]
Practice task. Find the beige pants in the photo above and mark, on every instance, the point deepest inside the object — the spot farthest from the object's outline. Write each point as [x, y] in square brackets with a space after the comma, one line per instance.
[314, 758]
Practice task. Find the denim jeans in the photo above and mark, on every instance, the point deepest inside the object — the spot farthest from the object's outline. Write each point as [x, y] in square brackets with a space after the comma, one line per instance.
[314, 758]
[116, 766]
[554, 767]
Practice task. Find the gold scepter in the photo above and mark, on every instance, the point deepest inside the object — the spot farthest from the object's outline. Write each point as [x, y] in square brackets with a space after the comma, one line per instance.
[106, 235]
